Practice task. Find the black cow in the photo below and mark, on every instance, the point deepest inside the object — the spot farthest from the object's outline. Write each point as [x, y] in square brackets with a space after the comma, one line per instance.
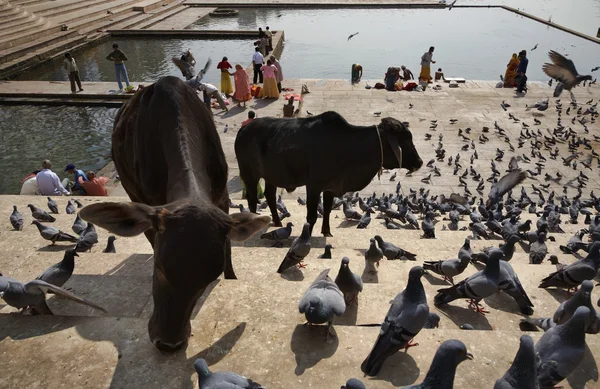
[324, 152]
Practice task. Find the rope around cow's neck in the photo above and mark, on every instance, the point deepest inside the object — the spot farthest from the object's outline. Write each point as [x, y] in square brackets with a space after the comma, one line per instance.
[380, 149]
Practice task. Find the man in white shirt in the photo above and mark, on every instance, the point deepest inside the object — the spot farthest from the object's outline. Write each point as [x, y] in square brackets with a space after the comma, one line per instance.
[73, 72]
[426, 61]
[257, 61]
[48, 182]
[209, 91]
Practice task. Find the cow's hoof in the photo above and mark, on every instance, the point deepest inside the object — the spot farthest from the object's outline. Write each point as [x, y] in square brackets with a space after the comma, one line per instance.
[327, 234]
[277, 224]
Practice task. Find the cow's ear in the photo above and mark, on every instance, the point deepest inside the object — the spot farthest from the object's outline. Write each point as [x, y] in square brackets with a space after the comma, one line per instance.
[246, 224]
[124, 219]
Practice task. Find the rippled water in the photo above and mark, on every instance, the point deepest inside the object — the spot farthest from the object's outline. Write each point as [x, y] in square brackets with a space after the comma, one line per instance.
[30, 134]
[474, 43]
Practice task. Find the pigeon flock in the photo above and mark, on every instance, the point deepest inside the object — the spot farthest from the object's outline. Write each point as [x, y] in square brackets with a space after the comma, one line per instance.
[510, 204]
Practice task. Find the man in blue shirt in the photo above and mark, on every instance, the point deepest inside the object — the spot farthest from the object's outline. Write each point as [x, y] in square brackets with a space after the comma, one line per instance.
[70, 168]
[521, 73]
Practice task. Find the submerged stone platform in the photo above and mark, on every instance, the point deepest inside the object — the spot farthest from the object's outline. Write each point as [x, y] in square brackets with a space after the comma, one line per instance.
[252, 325]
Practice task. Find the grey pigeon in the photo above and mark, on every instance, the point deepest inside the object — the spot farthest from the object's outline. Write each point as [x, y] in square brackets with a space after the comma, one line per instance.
[442, 371]
[298, 250]
[467, 327]
[433, 321]
[373, 255]
[187, 70]
[508, 248]
[60, 272]
[349, 213]
[465, 250]
[52, 206]
[391, 251]
[53, 234]
[553, 259]
[403, 321]
[428, 225]
[222, 379]
[79, 205]
[33, 294]
[478, 286]
[349, 283]
[575, 243]
[40, 214]
[574, 274]
[70, 209]
[365, 220]
[110, 245]
[327, 253]
[279, 234]
[88, 238]
[561, 349]
[505, 184]
[563, 70]
[522, 373]
[353, 383]
[16, 219]
[538, 250]
[79, 225]
[322, 301]
[448, 268]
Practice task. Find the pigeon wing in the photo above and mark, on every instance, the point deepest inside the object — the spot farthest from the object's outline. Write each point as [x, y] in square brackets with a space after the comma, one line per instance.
[559, 73]
[39, 285]
[563, 62]
[202, 72]
[506, 183]
[185, 67]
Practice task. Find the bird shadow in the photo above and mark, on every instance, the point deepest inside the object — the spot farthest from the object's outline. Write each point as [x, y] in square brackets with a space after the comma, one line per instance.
[525, 246]
[403, 362]
[585, 372]
[350, 315]
[502, 302]
[369, 278]
[559, 295]
[436, 281]
[309, 346]
[56, 248]
[292, 274]
[348, 224]
[460, 316]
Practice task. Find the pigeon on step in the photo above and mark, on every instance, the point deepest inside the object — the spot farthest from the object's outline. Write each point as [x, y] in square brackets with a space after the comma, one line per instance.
[433, 321]
[353, 383]
[279, 234]
[448, 268]
[391, 251]
[349, 283]
[574, 274]
[53, 234]
[298, 250]
[79, 225]
[522, 374]
[60, 272]
[16, 219]
[350, 213]
[70, 209]
[222, 379]
[88, 238]
[373, 255]
[52, 206]
[327, 253]
[40, 214]
[110, 245]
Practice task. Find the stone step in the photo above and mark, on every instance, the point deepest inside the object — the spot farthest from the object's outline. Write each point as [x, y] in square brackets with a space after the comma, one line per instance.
[102, 22]
[30, 26]
[24, 3]
[110, 352]
[50, 8]
[9, 14]
[161, 14]
[73, 18]
[24, 19]
[150, 5]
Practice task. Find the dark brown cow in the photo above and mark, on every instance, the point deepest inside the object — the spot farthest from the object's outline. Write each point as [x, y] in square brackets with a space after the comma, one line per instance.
[171, 163]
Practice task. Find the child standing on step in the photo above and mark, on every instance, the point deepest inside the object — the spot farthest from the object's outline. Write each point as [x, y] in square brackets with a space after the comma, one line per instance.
[119, 58]
[72, 72]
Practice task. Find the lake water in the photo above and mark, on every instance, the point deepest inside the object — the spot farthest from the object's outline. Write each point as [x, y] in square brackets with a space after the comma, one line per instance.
[30, 134]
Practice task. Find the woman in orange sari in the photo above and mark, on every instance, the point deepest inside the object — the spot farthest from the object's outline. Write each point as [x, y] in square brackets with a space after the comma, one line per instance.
[511, 71]
[242, 85]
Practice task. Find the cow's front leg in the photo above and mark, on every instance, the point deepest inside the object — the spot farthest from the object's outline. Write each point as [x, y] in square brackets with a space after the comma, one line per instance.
[312, 202]
[252, 194]
[229, 273]
[270, 195]
[327, 205]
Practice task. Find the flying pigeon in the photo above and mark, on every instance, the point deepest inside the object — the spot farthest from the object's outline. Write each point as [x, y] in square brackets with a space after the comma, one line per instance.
[505, 184]
[60, 272]
[443, 367]
[522, 373]
[405, 318]
[40, 214]
[322, 301]
[349, 283]
[33, 294]
[53, 234]
[352, 35]
[563, 70]
[298, 250]
[222, 379]
[16, 219]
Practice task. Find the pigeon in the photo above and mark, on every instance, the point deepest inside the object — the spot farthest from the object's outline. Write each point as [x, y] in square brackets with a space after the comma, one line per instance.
[403, 321]
[350, 213]
[189, 71]
[563, 70]
[467, 327]
[110, 245]
[465, 250]
[40, 214]
[279, 234]
[353, 383]
[322, 301]
[428, 225]
[391, 251]
[574, 274]
[522, 373]
[79, 205]
[52, 206]
[70, 209]
[575, 243]
[298, 250]
[222, 379]
[365, 220]
[53, 234]
[534, 47]
[301, 201]
[443, 368]
[87, 239]
[373, 255]
[538, 250]
[478, 286]
[78, 225]
[60, 272]
[33, 294]
[448, 268]
[561, 349]
[503, 185]
[16, 219]
[352, 35]
[540, 105]
[433, 321]
[349, 283]
[327, 253]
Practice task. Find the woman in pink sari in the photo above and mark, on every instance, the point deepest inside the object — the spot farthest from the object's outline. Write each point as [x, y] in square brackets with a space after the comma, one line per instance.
[242, 85]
